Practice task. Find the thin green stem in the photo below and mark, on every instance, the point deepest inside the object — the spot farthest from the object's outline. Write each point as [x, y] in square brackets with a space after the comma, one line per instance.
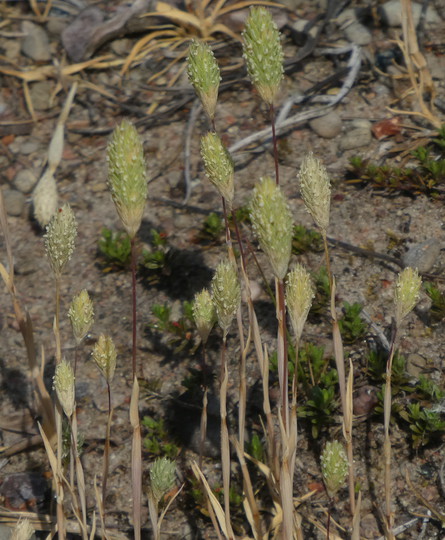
[282, 352]
[134, 298]
[107, 448]
[275, 144]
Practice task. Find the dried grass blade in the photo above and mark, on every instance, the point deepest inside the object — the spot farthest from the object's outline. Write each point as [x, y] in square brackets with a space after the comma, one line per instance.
[213, 500]
[136, 459]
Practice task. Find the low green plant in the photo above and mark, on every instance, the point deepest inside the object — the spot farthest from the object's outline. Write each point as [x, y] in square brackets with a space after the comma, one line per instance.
[154, 260]
[180, 332]
[212, 229]
[352, 327]
[305, 240]
[319, 408]
[322, 292]
[425, 424]
[156, 440]
[256, 448]
[115, 247]
[429, 390]
[437, 297]
[400, 379]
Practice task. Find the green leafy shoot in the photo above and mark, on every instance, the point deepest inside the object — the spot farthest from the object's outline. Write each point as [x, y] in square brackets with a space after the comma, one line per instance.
[322, 292]
[400, 379]
[437, 310]
[156, 439]
[115, 248]
[319, 409]
[155, 259]
[256, 448]
[212, 230]
[179, 334]
[429, 390]
[425, 424]
[305, 240]
[352, 327]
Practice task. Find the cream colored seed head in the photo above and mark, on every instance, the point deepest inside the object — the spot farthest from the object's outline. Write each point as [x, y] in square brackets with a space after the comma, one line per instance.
[407, 293]
[315, 190]
[334, 467]
[299, 295]
[64, 385]
[162, 477]
[59, 239]
[218, 166]
[203, 72]
[204, 314]
[81, 315]
[226, 293]
[126, 176]
[272, 224]
[263, 53]
[104, 355]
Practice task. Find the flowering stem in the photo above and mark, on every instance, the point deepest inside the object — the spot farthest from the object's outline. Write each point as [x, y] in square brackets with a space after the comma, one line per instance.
[107, 447]
[133, 283]
[225, 450]
[275, 145]
[282, 351]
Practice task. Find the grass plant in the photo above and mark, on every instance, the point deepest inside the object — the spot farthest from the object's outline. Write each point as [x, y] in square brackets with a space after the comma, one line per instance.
[311, 390]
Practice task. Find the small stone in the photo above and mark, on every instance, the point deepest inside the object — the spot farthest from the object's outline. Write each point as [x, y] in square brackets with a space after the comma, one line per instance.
[358, 34]
[14, 202]
[415, 365]
[327, 126]
[423, 255]
[391, 13]
[29, 147]
[56, 25]
[355, 139]
[40, 95]
[25, 180]
[300, 24]
[121, 46]
[35, 44]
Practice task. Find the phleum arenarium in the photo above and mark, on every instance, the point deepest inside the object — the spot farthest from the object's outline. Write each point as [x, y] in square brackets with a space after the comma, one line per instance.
[126, 176]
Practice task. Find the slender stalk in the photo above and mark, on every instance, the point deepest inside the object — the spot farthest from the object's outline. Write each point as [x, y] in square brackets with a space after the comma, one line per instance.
[282, 352]
[225, 449]
[79, 475]
[275, 143]
[133, 289]
[107, 447]
[387, 442]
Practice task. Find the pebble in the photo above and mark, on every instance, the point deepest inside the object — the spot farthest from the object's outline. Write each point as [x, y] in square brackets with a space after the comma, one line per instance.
[422, 255]
[29, 147]
[355, 138]
[300, 24]
[121, 47]
[25, 180]
[358, 34]
[327, 126]
[391, 13]
[35, 44]
[40, 95]
[415, 365]
[14, 202]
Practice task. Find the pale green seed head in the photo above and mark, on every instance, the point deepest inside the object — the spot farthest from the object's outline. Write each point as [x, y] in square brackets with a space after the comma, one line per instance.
[63, 382]
[162, 477]
[218, 166]
[263, 53]
[204, 314]
[203, 72]
[226, 293]
[334, 467]
[315, 190]
[299, 295]
[126, 176]
[60, 235]
[407, 293]
[81, 315]
[104, 355]
[272, 224]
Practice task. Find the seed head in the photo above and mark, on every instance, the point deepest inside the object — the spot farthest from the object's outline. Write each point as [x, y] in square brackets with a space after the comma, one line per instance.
[104, 355]
[263, 53]
[126, 176]
[81, 315]
[315, 190]
[203, 72]
[299, 294]
[45, 198]
[334, 466]
[407, 293]
[59, 238]
[64, 385]
[204, 314]
[272, 224]
[218, 166]
[226, 294]
[162, 477]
